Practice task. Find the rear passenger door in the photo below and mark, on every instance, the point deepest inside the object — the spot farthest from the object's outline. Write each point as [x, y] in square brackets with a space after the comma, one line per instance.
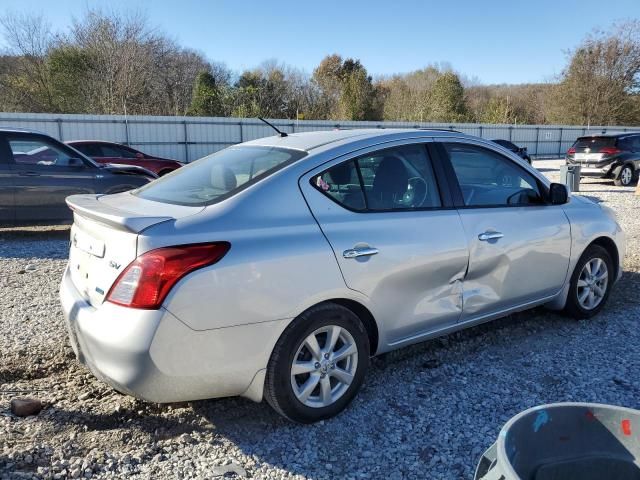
[519, 245]
[395, 235]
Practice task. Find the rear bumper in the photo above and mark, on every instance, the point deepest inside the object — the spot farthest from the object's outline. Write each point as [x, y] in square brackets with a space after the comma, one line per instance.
[152, 355]
[595, 172]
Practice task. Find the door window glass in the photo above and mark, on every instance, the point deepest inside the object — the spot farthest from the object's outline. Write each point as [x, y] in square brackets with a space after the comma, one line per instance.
[487, 178]
[399, 178]
[38, 152]
[109, 151]
[342, 184]
[89, 149]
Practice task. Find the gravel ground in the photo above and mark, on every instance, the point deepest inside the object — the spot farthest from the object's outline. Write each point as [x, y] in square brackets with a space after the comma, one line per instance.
[427, 411]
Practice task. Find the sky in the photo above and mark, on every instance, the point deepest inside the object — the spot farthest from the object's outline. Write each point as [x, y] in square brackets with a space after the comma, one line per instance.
[501, 41]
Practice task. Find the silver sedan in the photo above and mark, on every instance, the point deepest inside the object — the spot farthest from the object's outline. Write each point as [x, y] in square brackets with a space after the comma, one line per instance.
[276, 268]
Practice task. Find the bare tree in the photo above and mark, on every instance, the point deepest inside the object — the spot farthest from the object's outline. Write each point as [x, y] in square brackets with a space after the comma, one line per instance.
[29, 39]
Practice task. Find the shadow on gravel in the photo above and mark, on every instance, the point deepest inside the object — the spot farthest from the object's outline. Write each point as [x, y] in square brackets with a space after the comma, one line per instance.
[36, 242]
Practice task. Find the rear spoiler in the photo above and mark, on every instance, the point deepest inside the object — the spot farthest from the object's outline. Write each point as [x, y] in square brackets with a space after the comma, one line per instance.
[88, 206]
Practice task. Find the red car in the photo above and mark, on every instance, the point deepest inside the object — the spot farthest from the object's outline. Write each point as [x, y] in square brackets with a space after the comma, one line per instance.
[108, 152]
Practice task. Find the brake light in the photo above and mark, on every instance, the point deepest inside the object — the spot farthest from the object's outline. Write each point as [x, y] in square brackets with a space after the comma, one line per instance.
[148, 279]
[571, 151]
[610, 150]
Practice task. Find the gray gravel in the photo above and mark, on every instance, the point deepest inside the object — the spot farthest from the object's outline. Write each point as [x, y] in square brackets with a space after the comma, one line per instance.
[427, 411]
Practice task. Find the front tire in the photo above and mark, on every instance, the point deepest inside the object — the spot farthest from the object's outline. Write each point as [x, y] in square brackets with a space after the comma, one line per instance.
[318, 364]
[626, 176]
[590, 283]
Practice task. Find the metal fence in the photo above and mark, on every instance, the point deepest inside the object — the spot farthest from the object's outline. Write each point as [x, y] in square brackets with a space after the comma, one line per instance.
[189, 138]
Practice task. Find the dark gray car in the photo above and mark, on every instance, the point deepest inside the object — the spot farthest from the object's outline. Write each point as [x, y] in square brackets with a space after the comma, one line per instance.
[38, 172]
[610, 155]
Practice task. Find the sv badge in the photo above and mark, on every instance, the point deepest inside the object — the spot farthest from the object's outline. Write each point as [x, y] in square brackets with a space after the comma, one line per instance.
[115, 265]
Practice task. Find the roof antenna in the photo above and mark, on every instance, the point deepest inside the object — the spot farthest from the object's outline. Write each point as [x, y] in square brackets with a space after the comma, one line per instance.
[281, 133]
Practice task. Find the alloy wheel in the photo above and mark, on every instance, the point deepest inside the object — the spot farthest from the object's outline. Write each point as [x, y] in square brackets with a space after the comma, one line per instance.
[592, 283]
[626, 176]
[324, 366]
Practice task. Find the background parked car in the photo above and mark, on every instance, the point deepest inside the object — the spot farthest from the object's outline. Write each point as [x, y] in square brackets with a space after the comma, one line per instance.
[38, 172]
[612, 155]
[520, 151]
[109, 152]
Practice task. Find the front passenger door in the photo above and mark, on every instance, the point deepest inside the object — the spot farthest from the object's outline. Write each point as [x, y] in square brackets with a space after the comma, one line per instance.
[519, 246]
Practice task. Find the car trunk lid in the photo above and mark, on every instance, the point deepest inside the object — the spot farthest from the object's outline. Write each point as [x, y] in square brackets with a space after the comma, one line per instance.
[104, 237]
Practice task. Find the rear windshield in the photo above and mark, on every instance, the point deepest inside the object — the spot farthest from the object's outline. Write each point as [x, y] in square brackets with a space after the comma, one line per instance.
[594, 143]
[218, 176]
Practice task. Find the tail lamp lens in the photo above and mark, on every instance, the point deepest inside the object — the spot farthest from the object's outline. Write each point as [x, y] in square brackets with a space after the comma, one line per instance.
[147, 280]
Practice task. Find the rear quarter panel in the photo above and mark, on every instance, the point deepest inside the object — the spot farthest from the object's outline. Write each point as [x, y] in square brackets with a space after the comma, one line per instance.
[279, 263]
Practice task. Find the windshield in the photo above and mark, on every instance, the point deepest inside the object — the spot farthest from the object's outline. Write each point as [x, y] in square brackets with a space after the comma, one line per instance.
[218, 176]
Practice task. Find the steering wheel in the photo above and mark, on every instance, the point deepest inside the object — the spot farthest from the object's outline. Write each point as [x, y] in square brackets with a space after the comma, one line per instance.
[416, 193]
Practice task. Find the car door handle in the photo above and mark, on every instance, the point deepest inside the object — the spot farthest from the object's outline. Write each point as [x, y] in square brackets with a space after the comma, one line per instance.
[359, 252]
[29, 174]
[486, 236]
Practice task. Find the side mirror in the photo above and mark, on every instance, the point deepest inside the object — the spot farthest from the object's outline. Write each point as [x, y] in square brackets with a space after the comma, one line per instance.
[139, 156]
[75, 162]
[558, 194]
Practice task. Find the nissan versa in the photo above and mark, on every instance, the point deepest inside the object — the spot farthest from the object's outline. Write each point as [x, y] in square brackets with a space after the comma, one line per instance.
[276, 268]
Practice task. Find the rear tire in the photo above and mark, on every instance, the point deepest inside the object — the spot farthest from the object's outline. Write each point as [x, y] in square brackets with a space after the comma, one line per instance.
[329, 378]
[590, 286]
[625, 177]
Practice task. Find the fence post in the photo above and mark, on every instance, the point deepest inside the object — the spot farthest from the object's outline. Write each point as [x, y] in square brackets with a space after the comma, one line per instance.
[126, 131]
[480, 131]
[59, 122]
[510, 132]
[560, 143]
[241, 132]
[186, 142]
[537, 140]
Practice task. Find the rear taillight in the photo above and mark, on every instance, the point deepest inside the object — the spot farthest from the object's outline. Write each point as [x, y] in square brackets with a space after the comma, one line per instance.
[571, 151]
[610, 150]
[148, 279]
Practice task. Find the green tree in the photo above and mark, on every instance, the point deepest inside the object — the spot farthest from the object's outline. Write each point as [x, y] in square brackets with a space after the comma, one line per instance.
[603, 75]
[447, 99]
[69, 67]
[208, 97]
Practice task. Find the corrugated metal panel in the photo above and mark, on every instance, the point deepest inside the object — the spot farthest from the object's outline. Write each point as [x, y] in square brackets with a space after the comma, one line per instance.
[189, 138]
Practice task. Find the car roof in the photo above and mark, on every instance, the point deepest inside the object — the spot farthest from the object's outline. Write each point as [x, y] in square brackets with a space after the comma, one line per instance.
[307, 141]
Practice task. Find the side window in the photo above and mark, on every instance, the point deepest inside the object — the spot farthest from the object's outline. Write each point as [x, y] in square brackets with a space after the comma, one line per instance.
[126, 153]
[341, 183]
[635, 143]
[399, 178]
[109, 151]
[487, 178]
[89, 149]
[38, 152]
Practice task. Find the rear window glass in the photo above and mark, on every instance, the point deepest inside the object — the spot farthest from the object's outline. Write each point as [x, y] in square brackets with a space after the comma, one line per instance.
[218, 176]
[594, 143]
